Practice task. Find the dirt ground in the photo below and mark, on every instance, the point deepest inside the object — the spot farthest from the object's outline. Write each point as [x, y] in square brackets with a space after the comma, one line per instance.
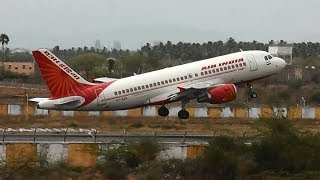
[223, 126]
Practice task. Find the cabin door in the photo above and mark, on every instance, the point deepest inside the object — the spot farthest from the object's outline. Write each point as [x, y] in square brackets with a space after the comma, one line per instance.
[252, 62]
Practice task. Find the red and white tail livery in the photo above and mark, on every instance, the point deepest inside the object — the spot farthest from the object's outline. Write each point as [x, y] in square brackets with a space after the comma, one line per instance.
[207, 81]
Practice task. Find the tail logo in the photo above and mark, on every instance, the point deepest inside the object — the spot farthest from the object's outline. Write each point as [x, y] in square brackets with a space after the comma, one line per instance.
[61, 65]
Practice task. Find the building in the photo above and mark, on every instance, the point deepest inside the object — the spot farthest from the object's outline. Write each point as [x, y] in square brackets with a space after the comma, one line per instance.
[283, 51]
[23, 68]
[117, 45]
[97, 45]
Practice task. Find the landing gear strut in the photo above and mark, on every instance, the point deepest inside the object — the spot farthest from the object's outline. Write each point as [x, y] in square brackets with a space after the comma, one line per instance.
[163, 111]
[251, 92]
[183, 113]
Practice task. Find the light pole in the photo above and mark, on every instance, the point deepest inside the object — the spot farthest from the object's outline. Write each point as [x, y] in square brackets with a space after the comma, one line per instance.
[27, 97]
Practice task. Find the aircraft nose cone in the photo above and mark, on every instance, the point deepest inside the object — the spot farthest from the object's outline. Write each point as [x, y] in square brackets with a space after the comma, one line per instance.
[282, 63]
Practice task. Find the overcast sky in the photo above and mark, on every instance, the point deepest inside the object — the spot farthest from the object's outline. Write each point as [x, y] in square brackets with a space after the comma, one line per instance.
[71, 23]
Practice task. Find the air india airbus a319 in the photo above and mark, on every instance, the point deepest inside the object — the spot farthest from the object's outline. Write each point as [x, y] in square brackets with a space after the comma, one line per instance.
[207, 81]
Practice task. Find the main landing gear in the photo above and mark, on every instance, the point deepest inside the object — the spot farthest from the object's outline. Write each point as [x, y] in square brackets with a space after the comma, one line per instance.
[251, 92]
[163, 111]
[182, 114]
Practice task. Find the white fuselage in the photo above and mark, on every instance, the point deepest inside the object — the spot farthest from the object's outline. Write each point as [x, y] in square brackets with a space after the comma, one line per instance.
[121, 94]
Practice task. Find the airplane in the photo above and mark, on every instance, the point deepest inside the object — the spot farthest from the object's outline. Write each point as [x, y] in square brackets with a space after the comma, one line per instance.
[211, 80]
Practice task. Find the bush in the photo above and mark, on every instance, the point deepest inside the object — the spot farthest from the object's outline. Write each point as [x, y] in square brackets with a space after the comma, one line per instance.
[315, 97]
[282, 149]
[295, 84]
[145, 150]
[118, 162]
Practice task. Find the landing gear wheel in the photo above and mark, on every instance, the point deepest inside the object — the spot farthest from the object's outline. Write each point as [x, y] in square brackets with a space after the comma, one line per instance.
[183, 114]
[251, 92]
[253, 95]
[163, 111]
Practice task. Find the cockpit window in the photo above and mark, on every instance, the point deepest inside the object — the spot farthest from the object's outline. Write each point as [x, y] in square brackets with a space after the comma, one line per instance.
[267, 57]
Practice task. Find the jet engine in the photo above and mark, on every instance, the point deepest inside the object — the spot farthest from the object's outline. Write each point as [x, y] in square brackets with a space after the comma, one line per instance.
[219, 94]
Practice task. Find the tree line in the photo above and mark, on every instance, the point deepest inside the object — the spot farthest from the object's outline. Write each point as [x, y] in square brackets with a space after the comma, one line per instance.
[181, 51]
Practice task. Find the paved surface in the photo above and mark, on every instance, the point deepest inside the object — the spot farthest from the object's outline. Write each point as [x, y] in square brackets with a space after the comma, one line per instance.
[104, 138]
[67, 135]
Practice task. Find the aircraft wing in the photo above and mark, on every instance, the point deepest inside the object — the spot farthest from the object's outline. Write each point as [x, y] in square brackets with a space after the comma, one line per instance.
[105, 79]
[190, 91]
[205, 84]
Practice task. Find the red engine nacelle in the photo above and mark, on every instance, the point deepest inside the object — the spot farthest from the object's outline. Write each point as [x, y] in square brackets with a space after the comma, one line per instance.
[220, 94]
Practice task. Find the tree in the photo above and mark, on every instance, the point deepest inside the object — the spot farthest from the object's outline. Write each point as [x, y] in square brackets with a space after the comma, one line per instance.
[87, 64]
[4, 39]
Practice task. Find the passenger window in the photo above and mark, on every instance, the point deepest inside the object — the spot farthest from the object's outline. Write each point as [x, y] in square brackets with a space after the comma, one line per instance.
[209, 72]
[150, 85]
[269, 56]
[240, 64]
[142, 87]
[205, 72]
[229, 67]
[181, 78]
[162, 82]
[170, 81]
[123, 91]
[232, 66]
[225, 68]
[158, 83]
[190, 76]
[185, 77]
[213, 71]
[119, 92]
[131, 90]
[266, 58]
[139, 88]
[115, 93]
[244, 64]
[237, 65]
[221, 69]
[135, 88]
[202, 74]
[174, 80]
[196, 75]
[154, 84]
[166, 81]
[217, 70]
[127, 90]
[178, 79]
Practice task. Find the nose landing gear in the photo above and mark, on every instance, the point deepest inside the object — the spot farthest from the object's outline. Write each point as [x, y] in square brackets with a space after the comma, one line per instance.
[251, 92]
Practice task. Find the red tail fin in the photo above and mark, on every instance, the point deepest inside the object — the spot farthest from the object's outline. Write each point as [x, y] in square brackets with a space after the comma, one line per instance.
[61, 80]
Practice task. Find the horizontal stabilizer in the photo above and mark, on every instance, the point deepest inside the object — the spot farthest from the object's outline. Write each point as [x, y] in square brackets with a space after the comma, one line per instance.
[38, 99]
[67, 103]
